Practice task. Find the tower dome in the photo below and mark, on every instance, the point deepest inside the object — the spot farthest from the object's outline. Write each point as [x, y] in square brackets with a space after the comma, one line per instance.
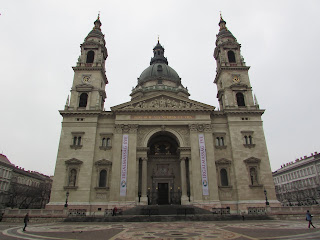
[159, 70]
[159, 76]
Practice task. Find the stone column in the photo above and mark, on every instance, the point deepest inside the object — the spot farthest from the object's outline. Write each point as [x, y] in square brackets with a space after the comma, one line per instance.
[184, 197]
[144, 180]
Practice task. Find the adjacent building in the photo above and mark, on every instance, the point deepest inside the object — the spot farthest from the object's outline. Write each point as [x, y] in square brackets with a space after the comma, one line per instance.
[22, 189]
[298, 183]
[5, 178]
[162, 147]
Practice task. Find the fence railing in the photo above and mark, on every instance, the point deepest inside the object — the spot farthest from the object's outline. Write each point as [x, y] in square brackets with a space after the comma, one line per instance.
[42, 212]
[256, 210]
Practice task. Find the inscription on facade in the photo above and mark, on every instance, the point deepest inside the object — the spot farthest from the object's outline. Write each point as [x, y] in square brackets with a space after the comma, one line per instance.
[161, 117]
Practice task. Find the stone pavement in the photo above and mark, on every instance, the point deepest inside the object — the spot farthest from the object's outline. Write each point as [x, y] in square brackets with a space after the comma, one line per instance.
[237, 230]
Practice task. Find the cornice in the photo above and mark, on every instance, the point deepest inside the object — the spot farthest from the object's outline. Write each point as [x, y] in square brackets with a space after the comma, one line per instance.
[163, 102]
[236, 112]
[219, 70]
[77, 112]
[243, 111]
[217, 113]
[92, 68]
[160, 110]
[89, 68]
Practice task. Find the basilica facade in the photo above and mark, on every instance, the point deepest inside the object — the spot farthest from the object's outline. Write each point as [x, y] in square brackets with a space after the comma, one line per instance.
[162, 147]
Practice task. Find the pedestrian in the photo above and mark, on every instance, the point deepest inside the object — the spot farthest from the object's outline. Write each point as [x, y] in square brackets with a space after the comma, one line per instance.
[242, 216]
[309, 219]
[114, 212]
[26, 220]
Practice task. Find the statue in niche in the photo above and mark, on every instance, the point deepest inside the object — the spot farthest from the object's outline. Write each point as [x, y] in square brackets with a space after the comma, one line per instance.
[253, 176]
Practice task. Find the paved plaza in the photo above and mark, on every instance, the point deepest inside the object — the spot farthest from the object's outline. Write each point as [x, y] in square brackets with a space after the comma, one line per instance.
[239, 230]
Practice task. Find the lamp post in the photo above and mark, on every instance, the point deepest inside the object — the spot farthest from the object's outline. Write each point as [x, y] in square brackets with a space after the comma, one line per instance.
[67, 196]
[265, 193]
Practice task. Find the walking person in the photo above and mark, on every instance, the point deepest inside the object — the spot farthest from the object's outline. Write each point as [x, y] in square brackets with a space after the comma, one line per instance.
[309, 219]
[114, 212]
[26, 220]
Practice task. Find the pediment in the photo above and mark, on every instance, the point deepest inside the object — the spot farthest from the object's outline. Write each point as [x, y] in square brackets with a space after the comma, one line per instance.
[163, 102]
[252, 160]
[73, 161]
[103, 162]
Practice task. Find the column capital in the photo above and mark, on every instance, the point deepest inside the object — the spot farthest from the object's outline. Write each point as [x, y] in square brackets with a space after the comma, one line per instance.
[183, 159]
[126, 128]
[200, 127]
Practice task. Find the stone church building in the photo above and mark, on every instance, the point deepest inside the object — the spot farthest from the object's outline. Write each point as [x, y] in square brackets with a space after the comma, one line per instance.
[162, 147]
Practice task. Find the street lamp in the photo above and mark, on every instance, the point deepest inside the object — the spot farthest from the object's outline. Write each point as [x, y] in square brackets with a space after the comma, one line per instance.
[67, 196]
[265, 193]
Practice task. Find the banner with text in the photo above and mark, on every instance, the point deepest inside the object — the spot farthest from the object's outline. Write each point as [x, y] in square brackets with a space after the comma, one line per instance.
[203, 159]
[124, 165]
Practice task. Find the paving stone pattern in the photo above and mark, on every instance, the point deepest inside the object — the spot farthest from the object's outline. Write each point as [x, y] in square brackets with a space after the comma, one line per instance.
[237, 230]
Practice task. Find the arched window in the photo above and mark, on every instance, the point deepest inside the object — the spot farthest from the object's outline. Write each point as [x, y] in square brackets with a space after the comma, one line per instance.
[72, 177]
[250, 140]
[224, 177]
[240, 99]
[221, 141]
[104, 142]
[231, 57]
[74, 141]
[103, 178]
[79, 141]
[245, 140]
[90, 57]
[108, 142]
[83, 100]
[217, 141]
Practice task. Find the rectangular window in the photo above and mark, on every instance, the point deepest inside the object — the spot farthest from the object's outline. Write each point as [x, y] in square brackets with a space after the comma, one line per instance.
[312, 170]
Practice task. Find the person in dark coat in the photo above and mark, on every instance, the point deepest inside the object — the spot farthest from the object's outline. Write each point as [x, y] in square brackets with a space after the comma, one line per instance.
[26, 220]
[309, 219]
[114, 212]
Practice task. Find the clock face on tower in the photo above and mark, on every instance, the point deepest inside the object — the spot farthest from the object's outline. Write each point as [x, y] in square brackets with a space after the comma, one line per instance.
[236, 79]
[85, 79]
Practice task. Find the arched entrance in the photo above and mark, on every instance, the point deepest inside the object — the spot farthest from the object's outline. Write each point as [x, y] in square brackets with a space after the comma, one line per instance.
[164, 175]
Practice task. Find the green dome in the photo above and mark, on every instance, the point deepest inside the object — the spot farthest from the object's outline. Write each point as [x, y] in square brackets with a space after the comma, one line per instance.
[157, 70]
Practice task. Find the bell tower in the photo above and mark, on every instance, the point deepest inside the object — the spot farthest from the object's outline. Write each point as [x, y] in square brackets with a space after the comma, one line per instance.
[88, 88]
[232, 78]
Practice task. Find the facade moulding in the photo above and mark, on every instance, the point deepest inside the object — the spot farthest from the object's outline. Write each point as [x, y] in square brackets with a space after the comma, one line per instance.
[244, 111]
[244, 68]
[77, 112]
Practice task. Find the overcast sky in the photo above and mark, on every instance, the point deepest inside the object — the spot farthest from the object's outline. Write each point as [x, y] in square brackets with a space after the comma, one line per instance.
[40, 42]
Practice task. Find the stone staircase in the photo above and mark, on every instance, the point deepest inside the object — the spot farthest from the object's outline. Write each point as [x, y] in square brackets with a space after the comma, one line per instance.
[165, 210]
[165, 213]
